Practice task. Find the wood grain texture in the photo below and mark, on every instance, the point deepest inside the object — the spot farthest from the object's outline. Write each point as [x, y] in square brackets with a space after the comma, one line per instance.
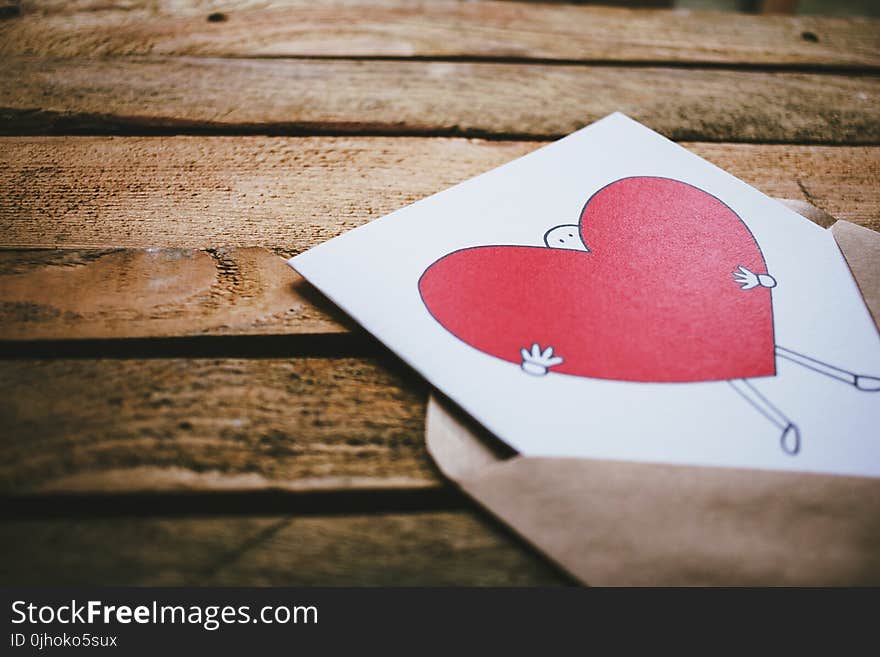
[134, 293]
[441, 28]
[183, 94]
[284, 193]
[184, 424]
[419, 549]
[288, 194]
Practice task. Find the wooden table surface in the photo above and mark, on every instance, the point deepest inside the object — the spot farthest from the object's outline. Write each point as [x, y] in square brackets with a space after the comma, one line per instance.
[176, 406]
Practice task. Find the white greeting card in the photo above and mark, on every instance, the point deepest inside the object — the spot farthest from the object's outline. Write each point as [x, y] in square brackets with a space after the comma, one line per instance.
[613, 295]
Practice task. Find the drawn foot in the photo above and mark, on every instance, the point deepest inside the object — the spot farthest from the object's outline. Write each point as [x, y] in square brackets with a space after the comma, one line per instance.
[537, 362]
[867, 383]
[791, 439]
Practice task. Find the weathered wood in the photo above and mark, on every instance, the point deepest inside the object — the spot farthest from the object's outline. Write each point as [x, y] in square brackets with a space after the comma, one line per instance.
[133, 293]
[429, 98]
[441, 548]
[288, 194]
[207, 424]
[439, 28]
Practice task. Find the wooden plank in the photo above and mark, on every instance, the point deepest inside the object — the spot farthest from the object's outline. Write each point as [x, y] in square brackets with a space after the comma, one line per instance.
[239, 96]
[440, 28]
[135, 293]
[425, 549]
[183, 424]
[286, 193]
[289, 194]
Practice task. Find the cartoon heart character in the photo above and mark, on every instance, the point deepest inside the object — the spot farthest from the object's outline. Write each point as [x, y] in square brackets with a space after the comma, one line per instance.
[654, 284]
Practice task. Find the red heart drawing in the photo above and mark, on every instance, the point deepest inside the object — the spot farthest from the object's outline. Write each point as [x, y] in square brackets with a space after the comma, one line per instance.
[653, 300]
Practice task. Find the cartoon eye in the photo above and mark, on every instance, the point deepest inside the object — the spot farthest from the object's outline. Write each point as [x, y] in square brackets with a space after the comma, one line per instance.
[561, 240]
[570, 235]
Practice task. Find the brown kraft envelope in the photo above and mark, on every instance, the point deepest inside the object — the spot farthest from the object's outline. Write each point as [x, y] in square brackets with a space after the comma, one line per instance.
[615, 523]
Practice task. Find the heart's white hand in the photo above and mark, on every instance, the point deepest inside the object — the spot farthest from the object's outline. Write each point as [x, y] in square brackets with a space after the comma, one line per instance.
[748, 279]
[537, 362]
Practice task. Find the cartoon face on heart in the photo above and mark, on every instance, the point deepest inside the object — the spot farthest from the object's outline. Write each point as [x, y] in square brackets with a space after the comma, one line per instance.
[640, 289]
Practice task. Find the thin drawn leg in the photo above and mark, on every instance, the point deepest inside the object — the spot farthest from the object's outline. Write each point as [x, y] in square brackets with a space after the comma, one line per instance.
[790, 440]
[860, 381]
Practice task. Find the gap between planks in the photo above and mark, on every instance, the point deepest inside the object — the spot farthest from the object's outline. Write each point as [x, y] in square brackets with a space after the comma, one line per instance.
[300, 501]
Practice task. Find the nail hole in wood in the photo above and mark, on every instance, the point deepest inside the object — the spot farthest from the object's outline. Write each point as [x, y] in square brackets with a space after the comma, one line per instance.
[810, 36]
[217, 17]
[9, 11]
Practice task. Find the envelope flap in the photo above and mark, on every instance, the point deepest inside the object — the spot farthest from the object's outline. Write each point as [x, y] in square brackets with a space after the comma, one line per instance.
[615, 523]
[459, 446]
[861, 249]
